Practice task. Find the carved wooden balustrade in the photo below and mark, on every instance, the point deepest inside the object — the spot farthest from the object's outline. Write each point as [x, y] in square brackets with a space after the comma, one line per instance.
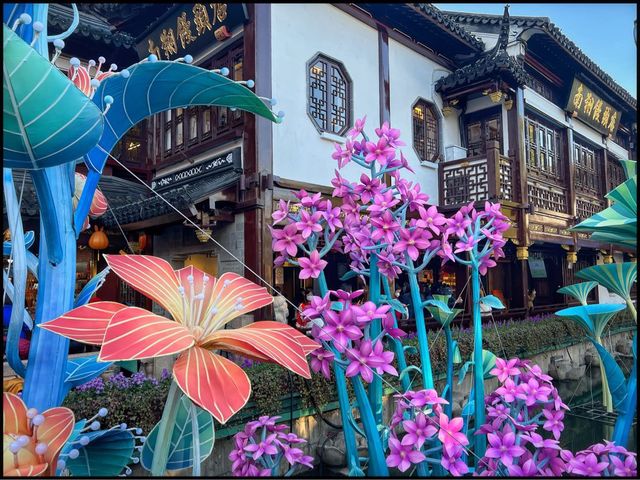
[490, 177]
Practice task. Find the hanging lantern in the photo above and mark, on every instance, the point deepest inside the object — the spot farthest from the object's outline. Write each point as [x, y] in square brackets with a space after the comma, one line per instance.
[572, 257]
[98, 239]
[508, 103]
[142, 241]
[203, 235]
[522, 253]
[495, 96]
[608, 259]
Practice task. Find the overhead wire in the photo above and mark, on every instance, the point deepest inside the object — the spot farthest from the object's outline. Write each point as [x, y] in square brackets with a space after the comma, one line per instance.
[207, 235]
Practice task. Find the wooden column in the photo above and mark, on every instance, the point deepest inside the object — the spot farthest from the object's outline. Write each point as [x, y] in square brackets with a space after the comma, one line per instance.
[493, 168]
[520, 164]
[384, 76]
[258, 151]
[570, 170]
[604, 183]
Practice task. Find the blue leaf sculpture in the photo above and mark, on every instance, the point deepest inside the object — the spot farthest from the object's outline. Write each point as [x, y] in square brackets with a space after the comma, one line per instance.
[153, 87]
[615, 377]
[106, 455]
[90, 288]
[47, 120]
[29, 238]
[80, 370]
[181, 451]
[492, 301]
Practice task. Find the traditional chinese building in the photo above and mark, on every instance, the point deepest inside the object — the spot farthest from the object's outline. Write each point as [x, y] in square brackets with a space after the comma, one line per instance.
[543, 128]
[491, 108]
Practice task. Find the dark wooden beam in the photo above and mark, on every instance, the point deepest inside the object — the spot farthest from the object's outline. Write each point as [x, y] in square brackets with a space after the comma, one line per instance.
[258, 150]
[384, 75]
[397, 35]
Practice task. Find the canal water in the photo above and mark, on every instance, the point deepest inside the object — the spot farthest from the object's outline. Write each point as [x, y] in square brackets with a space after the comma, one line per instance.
[586, 424]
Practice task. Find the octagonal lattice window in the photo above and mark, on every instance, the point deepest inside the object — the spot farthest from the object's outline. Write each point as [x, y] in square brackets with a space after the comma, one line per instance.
[329, 95]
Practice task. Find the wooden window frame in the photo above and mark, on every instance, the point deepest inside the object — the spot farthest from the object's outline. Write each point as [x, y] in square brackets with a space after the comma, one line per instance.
[557, 154]
[588, 168]
[231, 130]
[483, 117]
[424, 153]
[328, 108]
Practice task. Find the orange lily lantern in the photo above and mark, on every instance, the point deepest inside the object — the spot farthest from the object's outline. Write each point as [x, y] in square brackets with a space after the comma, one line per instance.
[201, 307]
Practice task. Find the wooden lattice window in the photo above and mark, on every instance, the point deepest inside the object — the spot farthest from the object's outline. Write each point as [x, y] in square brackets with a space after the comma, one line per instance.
[588, 168]
[543, 147]
[615, 172]
[329, 95]
[481, 127]
[425, 131]
[196, 128]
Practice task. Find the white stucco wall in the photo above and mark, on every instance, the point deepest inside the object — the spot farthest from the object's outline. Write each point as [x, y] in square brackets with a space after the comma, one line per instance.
[299, 32]
[412, 77]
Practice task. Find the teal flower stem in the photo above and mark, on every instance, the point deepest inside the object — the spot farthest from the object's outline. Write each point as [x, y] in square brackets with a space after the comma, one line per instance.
[480, 441]
[626, 416]
[343, 400]
[448, 409]
[421, 328]
[397, 344]
[167, 424]
[195, 435]
[377, 462]
[375, 388]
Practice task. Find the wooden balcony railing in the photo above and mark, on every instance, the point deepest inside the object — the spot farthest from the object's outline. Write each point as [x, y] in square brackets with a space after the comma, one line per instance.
[478, 178]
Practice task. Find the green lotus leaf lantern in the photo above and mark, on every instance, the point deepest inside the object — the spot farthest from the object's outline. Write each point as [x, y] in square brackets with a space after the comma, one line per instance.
[629, 167]
[579, 291]
[625, 194]
[592, 318]
[615, 277]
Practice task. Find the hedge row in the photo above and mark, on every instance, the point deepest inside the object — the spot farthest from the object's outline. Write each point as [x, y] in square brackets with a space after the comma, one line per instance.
[140, 403]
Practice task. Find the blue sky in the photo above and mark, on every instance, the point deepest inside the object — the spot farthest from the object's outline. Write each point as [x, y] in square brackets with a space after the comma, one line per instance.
[603, 31]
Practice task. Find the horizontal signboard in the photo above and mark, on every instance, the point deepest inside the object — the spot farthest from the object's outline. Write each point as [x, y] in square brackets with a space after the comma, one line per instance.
[218, 164]
[191, 28]
[592, 110]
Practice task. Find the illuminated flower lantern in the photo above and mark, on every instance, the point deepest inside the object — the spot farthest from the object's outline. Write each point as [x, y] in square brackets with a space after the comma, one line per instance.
[98, 204]
[201, 306]
[32, 440]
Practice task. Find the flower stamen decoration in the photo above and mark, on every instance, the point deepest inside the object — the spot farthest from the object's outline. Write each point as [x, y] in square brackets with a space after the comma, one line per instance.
[201, 307]
[32, 440]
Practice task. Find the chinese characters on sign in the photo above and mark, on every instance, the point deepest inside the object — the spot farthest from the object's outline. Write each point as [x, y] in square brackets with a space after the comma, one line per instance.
[213, 166]
[191, 28]
[592, 110]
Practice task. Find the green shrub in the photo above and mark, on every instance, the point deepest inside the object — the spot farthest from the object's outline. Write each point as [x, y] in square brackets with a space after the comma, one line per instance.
[139, 401]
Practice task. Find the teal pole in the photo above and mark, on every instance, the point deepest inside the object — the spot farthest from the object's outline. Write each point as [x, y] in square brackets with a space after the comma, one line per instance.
[448, 409]
[625, 418]
[480, 441]
[351, 448]
[421, 328]
[375, 388]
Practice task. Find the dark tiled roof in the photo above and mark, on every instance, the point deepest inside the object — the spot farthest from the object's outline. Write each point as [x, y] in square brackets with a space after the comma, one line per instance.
[90, 26]
[445, 20]
[485, 67]
[138, 206]
[494, 63]
[554, 32]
